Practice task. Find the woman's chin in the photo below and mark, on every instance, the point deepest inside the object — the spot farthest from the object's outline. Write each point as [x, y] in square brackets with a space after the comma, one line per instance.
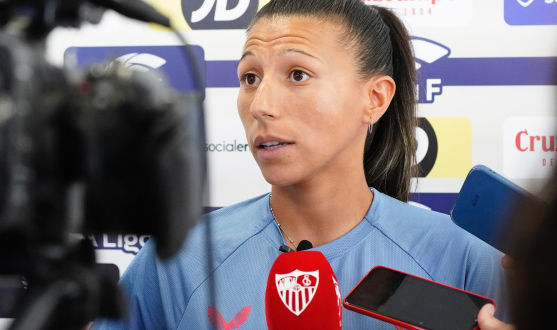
[282, 179]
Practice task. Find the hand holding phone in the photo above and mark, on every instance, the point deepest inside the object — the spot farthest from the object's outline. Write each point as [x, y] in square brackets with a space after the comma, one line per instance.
[413, 302]
[486, 320]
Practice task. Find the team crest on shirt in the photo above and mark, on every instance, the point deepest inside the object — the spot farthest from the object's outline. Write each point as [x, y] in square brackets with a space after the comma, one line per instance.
[218, 320]
[297, 289]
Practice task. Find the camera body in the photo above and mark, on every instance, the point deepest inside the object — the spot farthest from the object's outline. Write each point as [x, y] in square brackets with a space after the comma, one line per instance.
[132, 147]
[108, 150]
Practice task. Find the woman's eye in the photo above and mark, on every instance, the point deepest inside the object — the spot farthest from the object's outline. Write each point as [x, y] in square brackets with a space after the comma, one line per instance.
[299, 76]
[250, 79]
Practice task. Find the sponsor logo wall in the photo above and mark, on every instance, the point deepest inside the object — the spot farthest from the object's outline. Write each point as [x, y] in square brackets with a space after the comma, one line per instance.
[530, 147]
[444, 147]
[168, 61]
[486, 89]
[530, 12]
[209, 14]
[431, 13]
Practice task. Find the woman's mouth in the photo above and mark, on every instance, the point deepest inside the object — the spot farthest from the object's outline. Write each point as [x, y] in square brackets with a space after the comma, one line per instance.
[273, 145]
[272, 149]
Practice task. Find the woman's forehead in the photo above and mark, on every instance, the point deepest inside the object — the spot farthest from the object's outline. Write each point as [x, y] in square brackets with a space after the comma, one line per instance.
[309, 31]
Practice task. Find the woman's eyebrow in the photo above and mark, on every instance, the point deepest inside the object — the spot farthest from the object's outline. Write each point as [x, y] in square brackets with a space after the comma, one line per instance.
[248, 53]
[282, 52]
[296, 50]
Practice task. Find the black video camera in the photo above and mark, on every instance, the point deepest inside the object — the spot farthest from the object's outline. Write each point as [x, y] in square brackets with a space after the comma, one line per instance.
[108, 150]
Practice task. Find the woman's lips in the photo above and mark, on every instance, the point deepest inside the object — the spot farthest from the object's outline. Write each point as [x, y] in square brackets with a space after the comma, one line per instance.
[271, 150]
[273, 145]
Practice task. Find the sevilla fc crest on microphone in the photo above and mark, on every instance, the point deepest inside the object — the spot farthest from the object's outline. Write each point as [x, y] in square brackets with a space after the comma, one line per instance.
[297, 289]
[302, 293]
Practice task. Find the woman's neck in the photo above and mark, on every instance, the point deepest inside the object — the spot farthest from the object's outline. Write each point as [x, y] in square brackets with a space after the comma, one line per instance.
[321, 211]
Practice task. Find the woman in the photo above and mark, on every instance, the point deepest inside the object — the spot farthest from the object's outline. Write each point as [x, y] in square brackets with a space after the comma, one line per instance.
[326, 85]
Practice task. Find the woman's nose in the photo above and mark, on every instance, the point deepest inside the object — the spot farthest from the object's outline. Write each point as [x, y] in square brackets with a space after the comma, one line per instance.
[264, 105]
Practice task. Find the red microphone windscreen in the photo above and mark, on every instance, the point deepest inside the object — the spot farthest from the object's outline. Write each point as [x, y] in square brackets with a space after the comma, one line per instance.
[303, 293]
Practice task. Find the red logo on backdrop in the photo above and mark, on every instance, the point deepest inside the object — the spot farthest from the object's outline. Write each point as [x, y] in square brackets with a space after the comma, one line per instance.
[218, 321]
[399, 328]
[527, 142]
[297, 289]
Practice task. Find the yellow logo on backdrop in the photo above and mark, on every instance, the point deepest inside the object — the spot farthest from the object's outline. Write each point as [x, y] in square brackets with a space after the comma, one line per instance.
[207, 14]
[444, 147]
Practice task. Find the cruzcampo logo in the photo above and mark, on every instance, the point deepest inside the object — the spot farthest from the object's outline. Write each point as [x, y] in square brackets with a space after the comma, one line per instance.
[208, 14]
[444, 147]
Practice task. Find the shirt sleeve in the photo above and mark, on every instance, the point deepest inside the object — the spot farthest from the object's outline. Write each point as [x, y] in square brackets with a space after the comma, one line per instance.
[141, 286]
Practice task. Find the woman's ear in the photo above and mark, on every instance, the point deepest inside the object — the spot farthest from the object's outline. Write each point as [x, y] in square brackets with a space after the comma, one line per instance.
[380, 91]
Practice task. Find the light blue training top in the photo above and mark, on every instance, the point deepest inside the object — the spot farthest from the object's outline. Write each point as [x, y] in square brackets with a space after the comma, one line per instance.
[175, 294]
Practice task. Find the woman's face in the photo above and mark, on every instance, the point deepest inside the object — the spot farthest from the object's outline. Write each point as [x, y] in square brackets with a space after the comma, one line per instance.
[301, 102]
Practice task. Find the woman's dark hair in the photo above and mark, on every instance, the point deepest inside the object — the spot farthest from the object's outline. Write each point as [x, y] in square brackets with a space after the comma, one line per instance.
[381, 46]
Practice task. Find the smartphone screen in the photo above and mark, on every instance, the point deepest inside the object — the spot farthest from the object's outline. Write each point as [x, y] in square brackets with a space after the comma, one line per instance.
[416, 301]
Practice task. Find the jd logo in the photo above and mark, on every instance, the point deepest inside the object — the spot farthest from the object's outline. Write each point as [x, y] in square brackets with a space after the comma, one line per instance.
[219, 14]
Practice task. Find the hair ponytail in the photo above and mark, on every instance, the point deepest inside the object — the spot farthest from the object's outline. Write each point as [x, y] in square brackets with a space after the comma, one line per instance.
[390, 151]
[381, 46]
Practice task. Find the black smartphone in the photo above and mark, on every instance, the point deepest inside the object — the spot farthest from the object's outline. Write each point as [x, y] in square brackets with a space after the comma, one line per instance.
[413, 302]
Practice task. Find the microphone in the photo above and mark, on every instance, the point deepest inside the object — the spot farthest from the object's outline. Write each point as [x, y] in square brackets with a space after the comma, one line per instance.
[304, 245]
[303, 293]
